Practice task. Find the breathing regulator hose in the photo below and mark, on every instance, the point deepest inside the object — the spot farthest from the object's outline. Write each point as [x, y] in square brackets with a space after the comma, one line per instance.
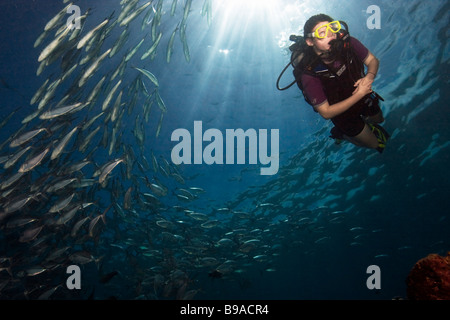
[297, 54]
[279, 78]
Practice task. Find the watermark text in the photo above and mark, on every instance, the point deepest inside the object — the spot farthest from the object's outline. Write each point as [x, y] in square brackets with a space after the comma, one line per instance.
[73, 22]
[213, 153]
[74, 280]
[374, 280]
[374, 21]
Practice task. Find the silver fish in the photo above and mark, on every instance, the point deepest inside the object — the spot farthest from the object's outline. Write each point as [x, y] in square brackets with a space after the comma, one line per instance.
[113, 141]
[53, 45]
[47, 294]
[94, 221]
[198, 216]
[66, 217]
[149, 75]
[69, 72]
[115, 109]
[94, 94]
[187, 9]
[210, 224]
[158, 189]
[60, 185]
[34, 271]
[127, 9]
[186, 52]
[110, 95]
[17, 204]
[74, 168]
[132, 16]
[30, 234]
[15, 157]
[158, 129]
[146, 21]
[119, 43]
[50, 93]
[90, 71]
[19, 222]
[31, 116]
[107, 169]
[7, 118]
[39, 92]
[62, 144]
[88, 139]
[164, 224]
[133, 51]
[57, 254]
[77, 226]
[81, 257]
[170, 45]
[173, 8]
[207, 10]
[54, 21]
[61, 204]
[40, 39]
[152, 48]
[160, 102]
[127, 199]
[119, 69]
[88, 124]
[14, 178]
[90, 34]
[33, 162]
[62, 111]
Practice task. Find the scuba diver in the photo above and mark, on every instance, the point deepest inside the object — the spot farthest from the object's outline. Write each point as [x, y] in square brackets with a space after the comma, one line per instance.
[329, 70]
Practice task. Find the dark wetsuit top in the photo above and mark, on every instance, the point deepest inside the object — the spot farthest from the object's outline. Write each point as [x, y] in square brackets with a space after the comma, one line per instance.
[350, 121]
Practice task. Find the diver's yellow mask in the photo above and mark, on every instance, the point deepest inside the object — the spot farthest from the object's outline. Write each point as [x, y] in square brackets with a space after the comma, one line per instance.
[322, 31]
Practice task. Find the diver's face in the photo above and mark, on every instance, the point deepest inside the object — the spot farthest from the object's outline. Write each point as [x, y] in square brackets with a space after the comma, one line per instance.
[321, 45]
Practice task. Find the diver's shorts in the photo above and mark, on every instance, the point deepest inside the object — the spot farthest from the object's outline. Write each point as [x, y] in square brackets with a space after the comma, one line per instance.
[351, 122]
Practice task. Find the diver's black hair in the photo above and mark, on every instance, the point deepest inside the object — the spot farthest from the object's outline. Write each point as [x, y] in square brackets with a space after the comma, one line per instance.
[310, 57]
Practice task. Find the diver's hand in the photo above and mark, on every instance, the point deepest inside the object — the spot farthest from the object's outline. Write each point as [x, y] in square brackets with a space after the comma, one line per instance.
[367, 80]
[363, 88]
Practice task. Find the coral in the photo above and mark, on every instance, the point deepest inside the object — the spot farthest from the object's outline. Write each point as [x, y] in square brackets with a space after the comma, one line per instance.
[429, 279]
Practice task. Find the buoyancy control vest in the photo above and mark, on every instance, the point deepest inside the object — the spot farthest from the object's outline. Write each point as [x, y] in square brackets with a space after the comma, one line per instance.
[337, 83]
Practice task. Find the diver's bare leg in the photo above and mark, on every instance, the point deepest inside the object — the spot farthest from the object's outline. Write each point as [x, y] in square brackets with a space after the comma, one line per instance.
[365, 139]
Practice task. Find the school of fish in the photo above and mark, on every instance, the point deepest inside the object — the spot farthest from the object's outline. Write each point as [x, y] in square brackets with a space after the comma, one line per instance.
[68, 173]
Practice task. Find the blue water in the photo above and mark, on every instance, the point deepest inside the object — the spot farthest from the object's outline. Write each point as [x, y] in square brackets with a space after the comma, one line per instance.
[363, 208]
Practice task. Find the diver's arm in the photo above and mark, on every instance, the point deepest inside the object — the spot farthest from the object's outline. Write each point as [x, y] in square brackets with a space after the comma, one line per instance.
[328, 112]
[372, 64]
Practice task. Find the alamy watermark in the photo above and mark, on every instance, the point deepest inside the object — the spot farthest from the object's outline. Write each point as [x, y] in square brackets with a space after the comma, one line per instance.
[213, 153]
[374, 21]
[374, 280]
[74, 280]
[73, 22]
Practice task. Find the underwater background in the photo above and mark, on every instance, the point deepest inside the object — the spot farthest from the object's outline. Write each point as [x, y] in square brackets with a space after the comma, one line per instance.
[308, 232]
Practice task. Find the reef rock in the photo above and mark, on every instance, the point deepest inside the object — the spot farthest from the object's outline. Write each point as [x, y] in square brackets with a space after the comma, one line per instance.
[429, 279]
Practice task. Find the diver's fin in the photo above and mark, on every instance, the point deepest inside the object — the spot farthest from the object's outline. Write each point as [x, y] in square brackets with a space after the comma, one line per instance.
[381, 134]
[337, 135]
